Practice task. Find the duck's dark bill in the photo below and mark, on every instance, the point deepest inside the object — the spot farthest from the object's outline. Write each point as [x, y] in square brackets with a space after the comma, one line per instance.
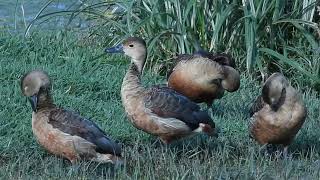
[115, 49]
[34, 102]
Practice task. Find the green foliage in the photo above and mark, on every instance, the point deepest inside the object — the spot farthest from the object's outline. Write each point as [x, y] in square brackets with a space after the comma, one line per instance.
[92, 87]
[243, 28]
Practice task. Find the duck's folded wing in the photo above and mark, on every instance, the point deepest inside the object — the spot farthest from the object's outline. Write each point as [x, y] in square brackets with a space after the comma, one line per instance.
[257, 105]
[167, 103]
[72, 123]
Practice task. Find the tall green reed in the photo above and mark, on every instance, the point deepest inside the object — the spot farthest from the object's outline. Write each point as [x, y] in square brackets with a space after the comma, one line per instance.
[263, 35]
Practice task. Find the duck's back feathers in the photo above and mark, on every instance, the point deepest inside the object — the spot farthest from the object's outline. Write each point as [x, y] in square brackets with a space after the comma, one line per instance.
[167, 103]
[71, 123]
[221, 58]
[176, 60]
[199, 79]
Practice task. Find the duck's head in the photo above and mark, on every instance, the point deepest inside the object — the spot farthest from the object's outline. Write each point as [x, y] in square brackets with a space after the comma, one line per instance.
[231, 81]
[32, 84]
[134, 47]
[274, 90]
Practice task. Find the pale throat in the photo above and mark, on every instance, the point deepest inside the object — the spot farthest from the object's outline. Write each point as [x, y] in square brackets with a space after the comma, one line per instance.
[139, 62]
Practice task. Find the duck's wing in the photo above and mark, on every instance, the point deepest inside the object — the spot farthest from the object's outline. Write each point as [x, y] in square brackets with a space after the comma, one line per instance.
[167, 103]
[72, 123]
[257, 105]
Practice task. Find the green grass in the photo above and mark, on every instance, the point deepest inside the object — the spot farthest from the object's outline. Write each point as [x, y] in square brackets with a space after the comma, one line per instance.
[92, 87]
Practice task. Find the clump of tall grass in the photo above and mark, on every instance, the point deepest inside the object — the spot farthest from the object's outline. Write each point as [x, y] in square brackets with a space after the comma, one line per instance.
[263, 35]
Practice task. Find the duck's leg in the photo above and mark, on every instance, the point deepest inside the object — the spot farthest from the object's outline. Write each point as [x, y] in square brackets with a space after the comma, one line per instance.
[285, 151]
[157, 142]
[209, 106]
[269, 149]
[74, 167]
[166, 140]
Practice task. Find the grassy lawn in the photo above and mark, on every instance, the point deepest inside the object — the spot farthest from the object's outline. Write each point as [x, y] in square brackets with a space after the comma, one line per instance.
[92, 87]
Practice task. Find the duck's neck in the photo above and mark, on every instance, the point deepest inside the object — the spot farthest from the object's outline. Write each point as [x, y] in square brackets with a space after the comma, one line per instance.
[131, 84]
[44, 100]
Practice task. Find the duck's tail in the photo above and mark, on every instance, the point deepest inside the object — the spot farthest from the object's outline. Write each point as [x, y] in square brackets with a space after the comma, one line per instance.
[206, 124]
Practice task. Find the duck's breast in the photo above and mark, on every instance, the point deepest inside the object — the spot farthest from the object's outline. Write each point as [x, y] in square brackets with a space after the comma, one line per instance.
[264, 131]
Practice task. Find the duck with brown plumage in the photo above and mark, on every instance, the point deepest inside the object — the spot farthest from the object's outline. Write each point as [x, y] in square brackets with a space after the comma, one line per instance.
[63, 132]
[277, 114]
[204, 76]
[160, 111]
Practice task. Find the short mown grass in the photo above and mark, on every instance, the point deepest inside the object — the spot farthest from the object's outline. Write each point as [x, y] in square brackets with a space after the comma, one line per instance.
[92, 87]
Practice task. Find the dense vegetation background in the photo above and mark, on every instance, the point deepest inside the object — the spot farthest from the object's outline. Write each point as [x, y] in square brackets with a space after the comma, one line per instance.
[263, 36]
[66, 38]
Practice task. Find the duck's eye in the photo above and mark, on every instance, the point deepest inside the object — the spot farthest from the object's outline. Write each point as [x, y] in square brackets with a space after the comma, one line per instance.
[130, 45]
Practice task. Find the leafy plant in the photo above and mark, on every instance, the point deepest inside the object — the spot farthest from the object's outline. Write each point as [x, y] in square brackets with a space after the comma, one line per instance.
[255, 32]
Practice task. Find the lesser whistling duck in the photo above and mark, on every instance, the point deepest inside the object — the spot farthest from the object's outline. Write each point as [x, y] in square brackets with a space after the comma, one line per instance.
[160, 111]
[62, 132]
[278, 113]
[204, 76]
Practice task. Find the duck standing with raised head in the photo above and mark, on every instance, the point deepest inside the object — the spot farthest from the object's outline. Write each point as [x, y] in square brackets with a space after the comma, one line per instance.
[278, 114]
[160, 111]
[203, 76]
[62, 132]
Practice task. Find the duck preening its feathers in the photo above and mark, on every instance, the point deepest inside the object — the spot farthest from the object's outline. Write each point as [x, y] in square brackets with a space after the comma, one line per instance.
[160, 111]
[62, 132]
[204, 76]
[278, 113]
